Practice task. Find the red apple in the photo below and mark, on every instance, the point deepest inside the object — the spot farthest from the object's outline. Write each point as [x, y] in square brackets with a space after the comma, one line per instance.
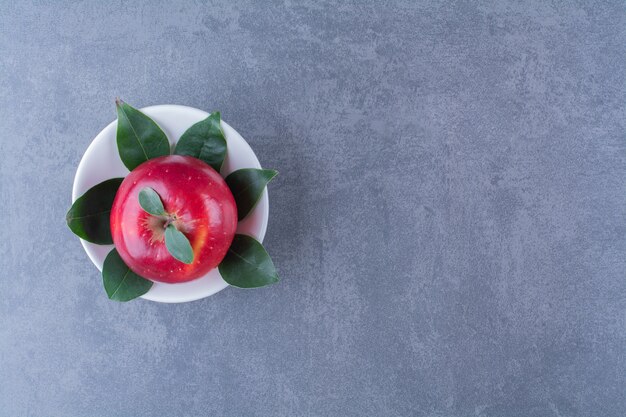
[193, 194]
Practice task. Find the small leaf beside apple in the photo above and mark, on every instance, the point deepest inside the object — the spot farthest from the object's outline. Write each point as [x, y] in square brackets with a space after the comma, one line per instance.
[88, 217]
[204, 140]
[150, 201]
[247, 264]
[247, 186]
[120, 283]
[178, 245]
[139, 138]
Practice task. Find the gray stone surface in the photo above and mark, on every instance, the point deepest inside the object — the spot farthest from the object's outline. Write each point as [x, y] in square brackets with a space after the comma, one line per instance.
[449, 221]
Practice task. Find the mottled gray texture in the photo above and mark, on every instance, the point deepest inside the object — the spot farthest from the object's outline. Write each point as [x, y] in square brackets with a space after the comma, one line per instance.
[449, 222]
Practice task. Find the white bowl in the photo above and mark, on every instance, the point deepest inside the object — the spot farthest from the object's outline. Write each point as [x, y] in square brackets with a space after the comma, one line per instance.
[101, 161]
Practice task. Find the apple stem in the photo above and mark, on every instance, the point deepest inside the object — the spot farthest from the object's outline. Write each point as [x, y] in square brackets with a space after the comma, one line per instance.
[170, 219]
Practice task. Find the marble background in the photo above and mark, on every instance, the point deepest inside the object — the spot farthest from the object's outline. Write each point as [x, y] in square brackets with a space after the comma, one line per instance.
[449, 222]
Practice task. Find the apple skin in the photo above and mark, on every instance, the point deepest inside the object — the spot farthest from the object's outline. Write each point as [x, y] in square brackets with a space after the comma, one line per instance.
[202, 203]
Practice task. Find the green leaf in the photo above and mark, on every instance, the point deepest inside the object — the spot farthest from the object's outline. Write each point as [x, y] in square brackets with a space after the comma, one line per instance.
[247, 185]
[205, 140]
[139, 138]
[150, 201]
[178, 245]
[247, 264]
[120, 283]
[89, 215]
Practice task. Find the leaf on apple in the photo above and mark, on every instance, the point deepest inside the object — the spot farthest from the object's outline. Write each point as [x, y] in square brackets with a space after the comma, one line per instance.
[139, 138]
[150, 201]
[120, 283]
[247, 264]
[89, 216]
[178, 245]
[247, 185]
[204, 140]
